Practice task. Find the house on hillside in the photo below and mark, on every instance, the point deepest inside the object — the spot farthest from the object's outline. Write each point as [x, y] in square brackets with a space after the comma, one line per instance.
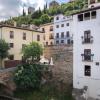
[63, 29]
[86, 65]
[17, 38]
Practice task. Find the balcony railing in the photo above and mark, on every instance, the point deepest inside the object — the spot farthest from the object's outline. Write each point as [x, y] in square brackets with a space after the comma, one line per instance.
[88, 57]
[87, 40]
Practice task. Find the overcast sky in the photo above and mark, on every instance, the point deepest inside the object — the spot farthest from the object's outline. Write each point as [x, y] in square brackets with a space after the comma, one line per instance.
[13, 8]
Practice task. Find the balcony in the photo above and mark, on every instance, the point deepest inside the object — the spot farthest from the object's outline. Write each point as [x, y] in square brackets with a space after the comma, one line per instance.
[87, 40]
[88, 58]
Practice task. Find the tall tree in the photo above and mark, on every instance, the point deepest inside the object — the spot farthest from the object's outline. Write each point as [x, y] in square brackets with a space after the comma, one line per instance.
[4, 47]
[46, 5]
[24, 12]
[33, 51]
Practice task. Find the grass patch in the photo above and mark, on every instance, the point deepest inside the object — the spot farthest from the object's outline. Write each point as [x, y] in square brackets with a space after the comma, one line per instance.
[47, 92]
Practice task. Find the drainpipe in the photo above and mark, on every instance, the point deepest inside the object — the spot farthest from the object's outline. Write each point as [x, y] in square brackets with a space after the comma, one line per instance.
[1, 32]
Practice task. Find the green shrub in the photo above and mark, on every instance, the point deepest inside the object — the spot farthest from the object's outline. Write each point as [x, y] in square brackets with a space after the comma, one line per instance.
[28, 76]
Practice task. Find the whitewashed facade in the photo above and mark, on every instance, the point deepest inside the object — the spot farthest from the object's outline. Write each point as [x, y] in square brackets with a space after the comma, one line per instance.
[86, 50]
[63, 29]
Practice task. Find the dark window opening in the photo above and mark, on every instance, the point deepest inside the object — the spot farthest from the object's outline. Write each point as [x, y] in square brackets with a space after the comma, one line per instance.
[11, 45]
[62, 25]
[51, 28]
[87, 54]
[51, 36]
[11, 57]
[57, 42]
[67, 24]
[67, 34]
[62, 35]
[92, 1]
[87, 36]
[62, 41]
[93, 14]
[87, 70]
[24, 36]
[68, 41]
[57, 26]
[43, 30]
[57, 18]
[97, 63]
[38, 37]
[51, 43]
[57, 35]
[11, 34]
[87, 16]
[80, 17]
[46, 43]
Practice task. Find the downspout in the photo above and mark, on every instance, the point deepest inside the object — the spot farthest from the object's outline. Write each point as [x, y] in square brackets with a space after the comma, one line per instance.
[1, 32]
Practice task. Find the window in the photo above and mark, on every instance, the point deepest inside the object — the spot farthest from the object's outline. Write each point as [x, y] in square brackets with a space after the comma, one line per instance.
[38, 37]
[11, 57]
[87, 16]
[50, 36]
[57, 42]
[97, 63]
[57, 35]
[62, 41]
[11, 34]
[57, 18]
[80, 17]
[67, 24]
[68, 41]
[43, 30]
[51, 28]
[62, 35]
[87, 70]
[51, 43]
[46, 43]
[87, 36]
[67, 34]
[62, 25]
[11, 45]
[93, 14]
[87, 54]
[57, 26]
[24, 36]
[92, 1]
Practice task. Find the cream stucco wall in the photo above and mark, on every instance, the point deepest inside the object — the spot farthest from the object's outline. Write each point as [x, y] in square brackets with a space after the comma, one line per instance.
[18, 39]
[47, 33]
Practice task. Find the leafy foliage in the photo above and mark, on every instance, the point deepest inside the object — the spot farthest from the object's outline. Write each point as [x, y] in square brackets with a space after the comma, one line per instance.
[28, 76]
[4, 47]
[38, 16]
[33, 51]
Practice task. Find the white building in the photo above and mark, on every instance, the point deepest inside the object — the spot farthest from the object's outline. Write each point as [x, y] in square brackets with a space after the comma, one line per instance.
[62, 29]
[86, 69]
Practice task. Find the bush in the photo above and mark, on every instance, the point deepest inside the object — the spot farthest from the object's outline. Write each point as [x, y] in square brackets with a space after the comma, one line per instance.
[28, 76]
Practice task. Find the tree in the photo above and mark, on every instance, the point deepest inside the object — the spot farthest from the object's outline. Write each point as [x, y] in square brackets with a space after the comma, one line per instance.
[33, 51]
[28, 76]
[45, 19]
[4, 47]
